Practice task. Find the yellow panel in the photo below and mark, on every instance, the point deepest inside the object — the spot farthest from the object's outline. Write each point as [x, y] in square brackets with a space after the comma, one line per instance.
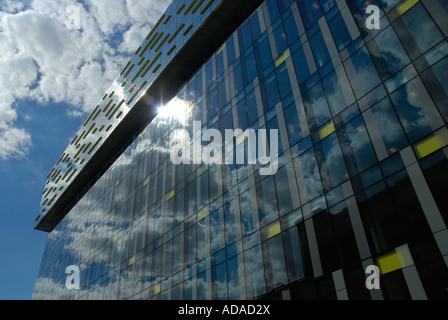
[406, 6]
[157, 289]
[170, 195]
[274, 230]
[282, 58]
[203, 213]
[327, 130]
[131, 261]
[146, 181]
[431, 144]
[389, 262]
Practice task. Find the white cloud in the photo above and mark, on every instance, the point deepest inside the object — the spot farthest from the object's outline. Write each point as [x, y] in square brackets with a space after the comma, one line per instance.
[42, 60]
[14, 143]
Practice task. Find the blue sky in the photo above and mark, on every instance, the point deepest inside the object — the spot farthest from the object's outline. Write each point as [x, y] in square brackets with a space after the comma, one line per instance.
[51, 78]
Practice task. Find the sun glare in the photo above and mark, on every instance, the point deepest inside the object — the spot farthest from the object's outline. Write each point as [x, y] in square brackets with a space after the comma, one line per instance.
[176, 109]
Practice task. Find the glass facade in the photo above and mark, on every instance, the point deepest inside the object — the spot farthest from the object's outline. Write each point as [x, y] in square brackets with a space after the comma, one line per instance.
[362, 169]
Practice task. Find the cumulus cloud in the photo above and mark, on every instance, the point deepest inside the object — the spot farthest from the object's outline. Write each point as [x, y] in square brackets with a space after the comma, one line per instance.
[44, 61]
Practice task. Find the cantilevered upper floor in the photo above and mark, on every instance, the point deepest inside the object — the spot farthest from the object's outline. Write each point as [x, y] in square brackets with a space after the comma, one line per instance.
[183, 38]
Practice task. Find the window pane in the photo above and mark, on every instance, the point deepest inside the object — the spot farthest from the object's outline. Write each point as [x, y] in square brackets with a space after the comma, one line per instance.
[417, 31]
[338, 90]
[263, 55]
[254, 270]
[280, 39]
[340, 32]
[248, 212]
[388, 53]
[310, 11]
[294, 254]
[361, 73]
[331, 162]
[249, 68]
[269, 92]
[293, 125]
[284, 84]
[267, 201]
[388, 126]
[308, 176]
[436, 80]
[274, 262]
[415, 109]
[304, 67]
[356, 146]
[316, 107]
[283, 189]
[320, 50]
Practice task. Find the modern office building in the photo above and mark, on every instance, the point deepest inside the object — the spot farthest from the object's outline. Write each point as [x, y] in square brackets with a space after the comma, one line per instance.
[361, 112]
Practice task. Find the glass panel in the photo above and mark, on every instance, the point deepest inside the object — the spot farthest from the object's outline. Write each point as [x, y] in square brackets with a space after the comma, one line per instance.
[320, 50]
[308, 177]
[316, 107]
[361, 73]
[274, 261]
[254, 270]
[388, 126]
[233, 280]
[269, 92]
[356, 146]
[338, 90]
[249, 215]
[302, 64]
[388, 53]
[295, 130]
[267, 201]
[284, 196]
[331, 162]
[436, 80]
[263, 55]
[284, 84]
[417, 31]
[280, 39]
[415, 109]
[340, 32]
[310, 11]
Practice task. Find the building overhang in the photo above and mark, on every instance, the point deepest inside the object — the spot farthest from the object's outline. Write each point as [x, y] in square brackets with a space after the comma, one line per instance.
[213, 32]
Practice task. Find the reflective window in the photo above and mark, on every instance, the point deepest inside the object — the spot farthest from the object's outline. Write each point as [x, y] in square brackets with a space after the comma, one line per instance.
[310, 11]
[292, 119]
[340, 32]
[304, 64]
[356, 146]
[338, 90]
[316, 106]
[308, 176]
[415, 109]
[417, 31]
[388, 53]
[361, 73]
[436, 80]
[388, 126]
[331, 162]
[320, 50]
